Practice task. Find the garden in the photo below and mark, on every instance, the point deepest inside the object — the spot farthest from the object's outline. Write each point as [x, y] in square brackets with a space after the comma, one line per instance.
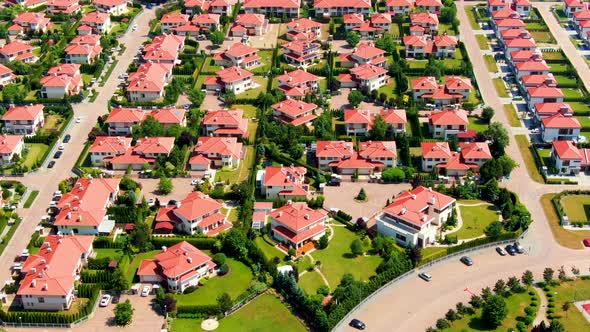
[562, 295]
[476, 216]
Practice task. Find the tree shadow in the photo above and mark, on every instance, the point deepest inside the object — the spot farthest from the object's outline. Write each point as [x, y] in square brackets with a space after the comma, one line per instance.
[587, 211]
[478, 324]
[348, 255]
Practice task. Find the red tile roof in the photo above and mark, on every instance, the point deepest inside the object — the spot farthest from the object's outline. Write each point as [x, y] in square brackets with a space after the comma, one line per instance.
[436, 150]
[538, 80]
[222, 146]
[109, 3]
[353, 18]
[559, 121]
[16, 47]
[458, 83]
[297, 77]
[297, 216]
[293, 107]
[377, 149]
[394, 115]
[126, 115]
[8, 143]
[444, 40]
[566, 150]
[358, 116]
[548, 109]
[163, 48]
[174, 18]
[149, 77]
[175, 262]
[429, 3]
[400, 3]
[233, 74]
[272, 4]
[197, 205]
[423, 18]
[28, 112]
[424, 83]
[250, 19]
[154, 145]
[94, 18]
[110, 144]
[510, 22]
[545, 92]
[168, 116]
[338, 149]
[284, 176]
[475, 150]
[224, 117]
[367, 72]
[206, 19]
[342, 3]
[449, 117]
[410, 205]
[303, 24]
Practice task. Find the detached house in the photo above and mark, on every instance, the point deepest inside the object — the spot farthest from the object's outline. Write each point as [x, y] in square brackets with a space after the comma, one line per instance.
[17, 50]
[29, 22]
[178, 267]
[581, 22]
[83, 210]
[234, 79]
[284, 183]
[23, 120]
[100, 23]
[294, 112]
[329, 8]
[173, 20]
[431, 6]
[358, 122]
[434, 153]
[570, 7]
[197, 213]
[296, 224]
[62, 80]
[108, 147]
[249, 24]
[523, 7]
[220, 7]
[560, 128]
[495, 5]
[63, 6]
[366, 77]
[240, 55]
[420, 45]
[206, 22]
[149, 81]
[10, 146]
[225, 123]
[568, 159]
[260, 214]
[217, 152]
[164, 49]
[549, 109]
[301, 53]
[6, 76]
[455, 90]
[121, 119]
[303, 29]
[298, 83]
[443, 124]
[83, 49]
[399, 7]
[543, 94]
[112, 7]
[147, 150]
[273, 8]
[364, 54]
[427, 21]
[333, 151]
[395, 118]
[49, 276]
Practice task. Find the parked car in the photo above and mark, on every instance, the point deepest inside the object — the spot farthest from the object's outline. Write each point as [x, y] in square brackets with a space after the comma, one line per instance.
[467, 260]
[51, 164]
[172, 202]
[519, 249]
[510, 250]
[57, 154]
[105, 300]
[145, 291]
[501, 251]
[357, 324]
[197, 181]
[151, 201]
[67, 138]
[61, 146]
[425, 276]
[9, 207]
[116, 299]
[78, 119]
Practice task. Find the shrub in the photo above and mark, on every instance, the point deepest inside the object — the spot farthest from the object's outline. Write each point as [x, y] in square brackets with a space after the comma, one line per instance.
[550, 311]
[531, 293]
[223, 269]
[534, 304]
[203, 281]
[520, 326]
[528, 320]
[190, 289]
[529, 310]
[551, 305]
[219, 259]
[442, 324]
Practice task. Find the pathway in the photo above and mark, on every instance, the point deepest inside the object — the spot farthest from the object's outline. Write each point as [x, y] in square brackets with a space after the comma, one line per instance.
[542, 313]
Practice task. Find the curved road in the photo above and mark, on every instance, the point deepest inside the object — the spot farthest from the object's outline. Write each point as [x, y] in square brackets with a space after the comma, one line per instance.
[412, 304]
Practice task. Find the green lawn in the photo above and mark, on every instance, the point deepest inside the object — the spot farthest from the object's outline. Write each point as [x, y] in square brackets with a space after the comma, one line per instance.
[579, 106]
[249, 110]
[572, 291]
[253, 93]
[512, 116]
[558, 67]
[500, 87]
[442, 28]
[529, 160]
[477, 124]
[389, 90]
[515, 304]
[241, 173]
[269, 251]
[545, 155]
[475, 219]
[234, 283]
[432, 251]
[553, 56]
[115, 254]
[337, 259]
[576, 207]
[540, 25]
[35, 153]
[136, 261]
[31, 199]
[52, 123]
[482, 41]
[565, 80]
[565, 237]
[471, 17]
[543, 37]
[209, 66]
[490, 63]
[86, 78]
[584, 121]
[266, 313]
[310, 282]
[572, 93]
[417, 64]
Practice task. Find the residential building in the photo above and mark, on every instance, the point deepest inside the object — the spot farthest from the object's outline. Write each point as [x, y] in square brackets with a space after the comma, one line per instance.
[379, 152]
[273, 8]
[249, 24]
[217, 152]
[234, 79]
[568, 159]
[197, 213]
[63, 6]
[425, 20]
[83, 210]
[147, 150]
[455, 90]
[298, 83]
[30, 22]
[17, 50]
[381, 22]
[301, 53]
[284, 183]
[366, 77]
[112, 7]
[415, 217]
[6, 76]
[61, 81]
[294, 112]
[506, 24]
[523, 7]
[260, 215]
[399, 7]
[83, 49]
[220, 7]
[206, 22]
[49, 276]
[434, 153]
[122, 119]
[178, 267]
[581, 20]
[225, 123]
[23, 120]
[240, 55]
[164, 49]
[303, 29]
[543, 94]
[108, 147]
[560, 128]
[149, 81]
[364, 54]
[421, 46]
[296, 224]
[358, 122]
[549, 109]
[475, 153]
[28, 3]
[447, 123]
[431, 6]
[333, 151]
[10, 146]
[173, 20]
[395, 118]
[99, 23]
[495, 5]
[570, 7]
[196, 6]
[330, 8]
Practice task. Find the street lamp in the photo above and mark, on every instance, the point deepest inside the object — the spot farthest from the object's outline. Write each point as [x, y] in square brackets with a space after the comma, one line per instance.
[166, 311]
[20, 322]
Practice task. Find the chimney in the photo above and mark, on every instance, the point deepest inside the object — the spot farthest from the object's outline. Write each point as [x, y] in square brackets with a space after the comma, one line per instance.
[45, 287]
[403, 211]
[164, 249]
[69, 215]
[424, 218]
[280, 214]
[189, 260]
[33, 282]
[178, 204]
[79, 218]
[306, 217]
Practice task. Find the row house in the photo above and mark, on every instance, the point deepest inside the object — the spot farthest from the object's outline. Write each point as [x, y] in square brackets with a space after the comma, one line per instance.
[7, 76]
[331, 8]
[164, 49]
[146, 151]
[216, 152]
[148, 82]
[543, 94]
[273, 8]
[61, 81]
[294, 112]
[399, 7]
[441, 46]
[522, 7]
[225, 123]
[296, 224]
[447, 123]
[503, 14]
[537, 67]
[249, 24]
[121, 120]
[240, 55]
[430, 6]
[178, 267]
[298, 83]
[455, 90]
[11, 146]
[365, 77]
[197, 213]
[173, 20]
[23, 120]
[17, 50]
[83, 49]
[545, 110]
[83, 210]
[560, 127]
[570, 7]
[568, 159]
[506, 24]
[301, 53]
[29, 22]
[520, 44]
[50, 275]
[284, 183]
[63, 6]
[359, 122]
[234, 79]
[364, 54]
[303, 29]
[111, 7]
[95, 22]
[581, 22]
[416, 217]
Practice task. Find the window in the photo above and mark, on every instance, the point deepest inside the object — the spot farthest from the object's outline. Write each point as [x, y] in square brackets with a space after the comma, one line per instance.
[400, 237]
[41, 299]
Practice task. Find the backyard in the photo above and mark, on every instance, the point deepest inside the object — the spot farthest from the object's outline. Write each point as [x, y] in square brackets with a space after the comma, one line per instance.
[241, 173]
[34, 154]
[235, 282]
[576, 207]
[477, 124]
[310, 282]
[114, 254]
[566, 238]
[475, 218]
[253, 93]
[134, 265]
[266, 313]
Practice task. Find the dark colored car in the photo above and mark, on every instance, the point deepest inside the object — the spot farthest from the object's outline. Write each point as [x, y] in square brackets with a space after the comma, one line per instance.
[57, 154]
[172, 202]
[510, 250]
[67, 138]
[467, 260]
[51, 163]
[357, 324]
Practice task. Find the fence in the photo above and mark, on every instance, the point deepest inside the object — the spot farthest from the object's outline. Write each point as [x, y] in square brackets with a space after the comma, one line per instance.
[407, 274]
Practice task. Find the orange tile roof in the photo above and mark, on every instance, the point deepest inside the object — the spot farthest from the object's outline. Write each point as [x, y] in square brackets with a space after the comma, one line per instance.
[222, 146]
[110, 144]
[233, 74]
[176, 261]
[154, 145]
[435, 150]
[475, 150]
[284, 176]
[126, 115]
[272, 4]
[394, 115]
[297, 77]
[566, 150]
[449, 117]
[377, 149]
[338, 149]
[294, 107]
[8, 143]
[297, 216]
[28, 112]
[342, 3]
[410, 205]
[561, 121]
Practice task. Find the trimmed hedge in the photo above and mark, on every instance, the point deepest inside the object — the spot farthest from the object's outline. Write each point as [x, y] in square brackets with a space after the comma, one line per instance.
[205, 243]
[559, 208]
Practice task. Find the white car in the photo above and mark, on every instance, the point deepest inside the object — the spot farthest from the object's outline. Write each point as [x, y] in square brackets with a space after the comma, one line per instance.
[106, 299]
[197, 181]
[151, 201]
[78, 119]
[61, 146]
[9, 207]
[145, 291]
[134, 27]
